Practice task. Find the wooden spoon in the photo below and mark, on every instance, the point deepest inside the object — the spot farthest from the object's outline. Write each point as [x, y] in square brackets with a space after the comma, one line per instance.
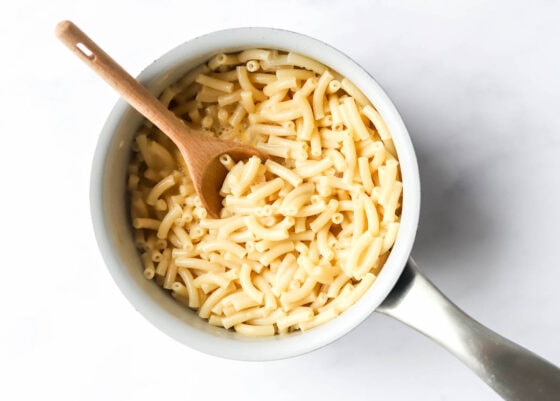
[201, 152]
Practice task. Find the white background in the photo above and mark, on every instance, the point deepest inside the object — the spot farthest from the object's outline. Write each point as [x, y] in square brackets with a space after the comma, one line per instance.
[478, 85]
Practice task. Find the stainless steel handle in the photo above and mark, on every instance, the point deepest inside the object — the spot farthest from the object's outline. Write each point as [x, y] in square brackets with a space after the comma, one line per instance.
[512, 371]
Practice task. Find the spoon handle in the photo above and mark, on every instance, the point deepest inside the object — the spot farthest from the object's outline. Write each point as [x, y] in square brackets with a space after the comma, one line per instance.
[128, 87]
[512, 371]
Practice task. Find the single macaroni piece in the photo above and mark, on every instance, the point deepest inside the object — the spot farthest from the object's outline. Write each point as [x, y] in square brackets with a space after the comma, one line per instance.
[303, 234]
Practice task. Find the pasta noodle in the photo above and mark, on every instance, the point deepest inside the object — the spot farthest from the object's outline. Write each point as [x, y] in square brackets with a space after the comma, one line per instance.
[303, 234]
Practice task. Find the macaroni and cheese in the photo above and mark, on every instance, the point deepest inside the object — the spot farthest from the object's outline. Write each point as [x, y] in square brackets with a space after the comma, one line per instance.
[303, 234]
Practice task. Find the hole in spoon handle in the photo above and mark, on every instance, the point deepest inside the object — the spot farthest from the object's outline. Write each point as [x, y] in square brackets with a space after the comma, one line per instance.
[77, 41]
[85, 50]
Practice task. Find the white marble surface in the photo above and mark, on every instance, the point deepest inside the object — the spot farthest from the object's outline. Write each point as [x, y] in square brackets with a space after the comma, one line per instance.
[478, 86]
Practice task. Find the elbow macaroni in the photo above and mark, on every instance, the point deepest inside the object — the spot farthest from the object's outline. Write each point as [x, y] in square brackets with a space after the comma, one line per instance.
[301, 235]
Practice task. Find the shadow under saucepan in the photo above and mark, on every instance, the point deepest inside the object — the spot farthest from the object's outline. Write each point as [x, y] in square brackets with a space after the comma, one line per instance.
[453, 224]
[455, 218]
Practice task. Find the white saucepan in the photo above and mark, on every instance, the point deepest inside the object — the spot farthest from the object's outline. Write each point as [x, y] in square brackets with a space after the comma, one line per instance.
[399, 291]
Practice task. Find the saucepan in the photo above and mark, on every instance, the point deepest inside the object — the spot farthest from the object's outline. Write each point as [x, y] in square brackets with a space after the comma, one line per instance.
[400, 290]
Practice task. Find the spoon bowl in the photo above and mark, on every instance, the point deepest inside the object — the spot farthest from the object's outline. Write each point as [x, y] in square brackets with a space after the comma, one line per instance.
[202, 156]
